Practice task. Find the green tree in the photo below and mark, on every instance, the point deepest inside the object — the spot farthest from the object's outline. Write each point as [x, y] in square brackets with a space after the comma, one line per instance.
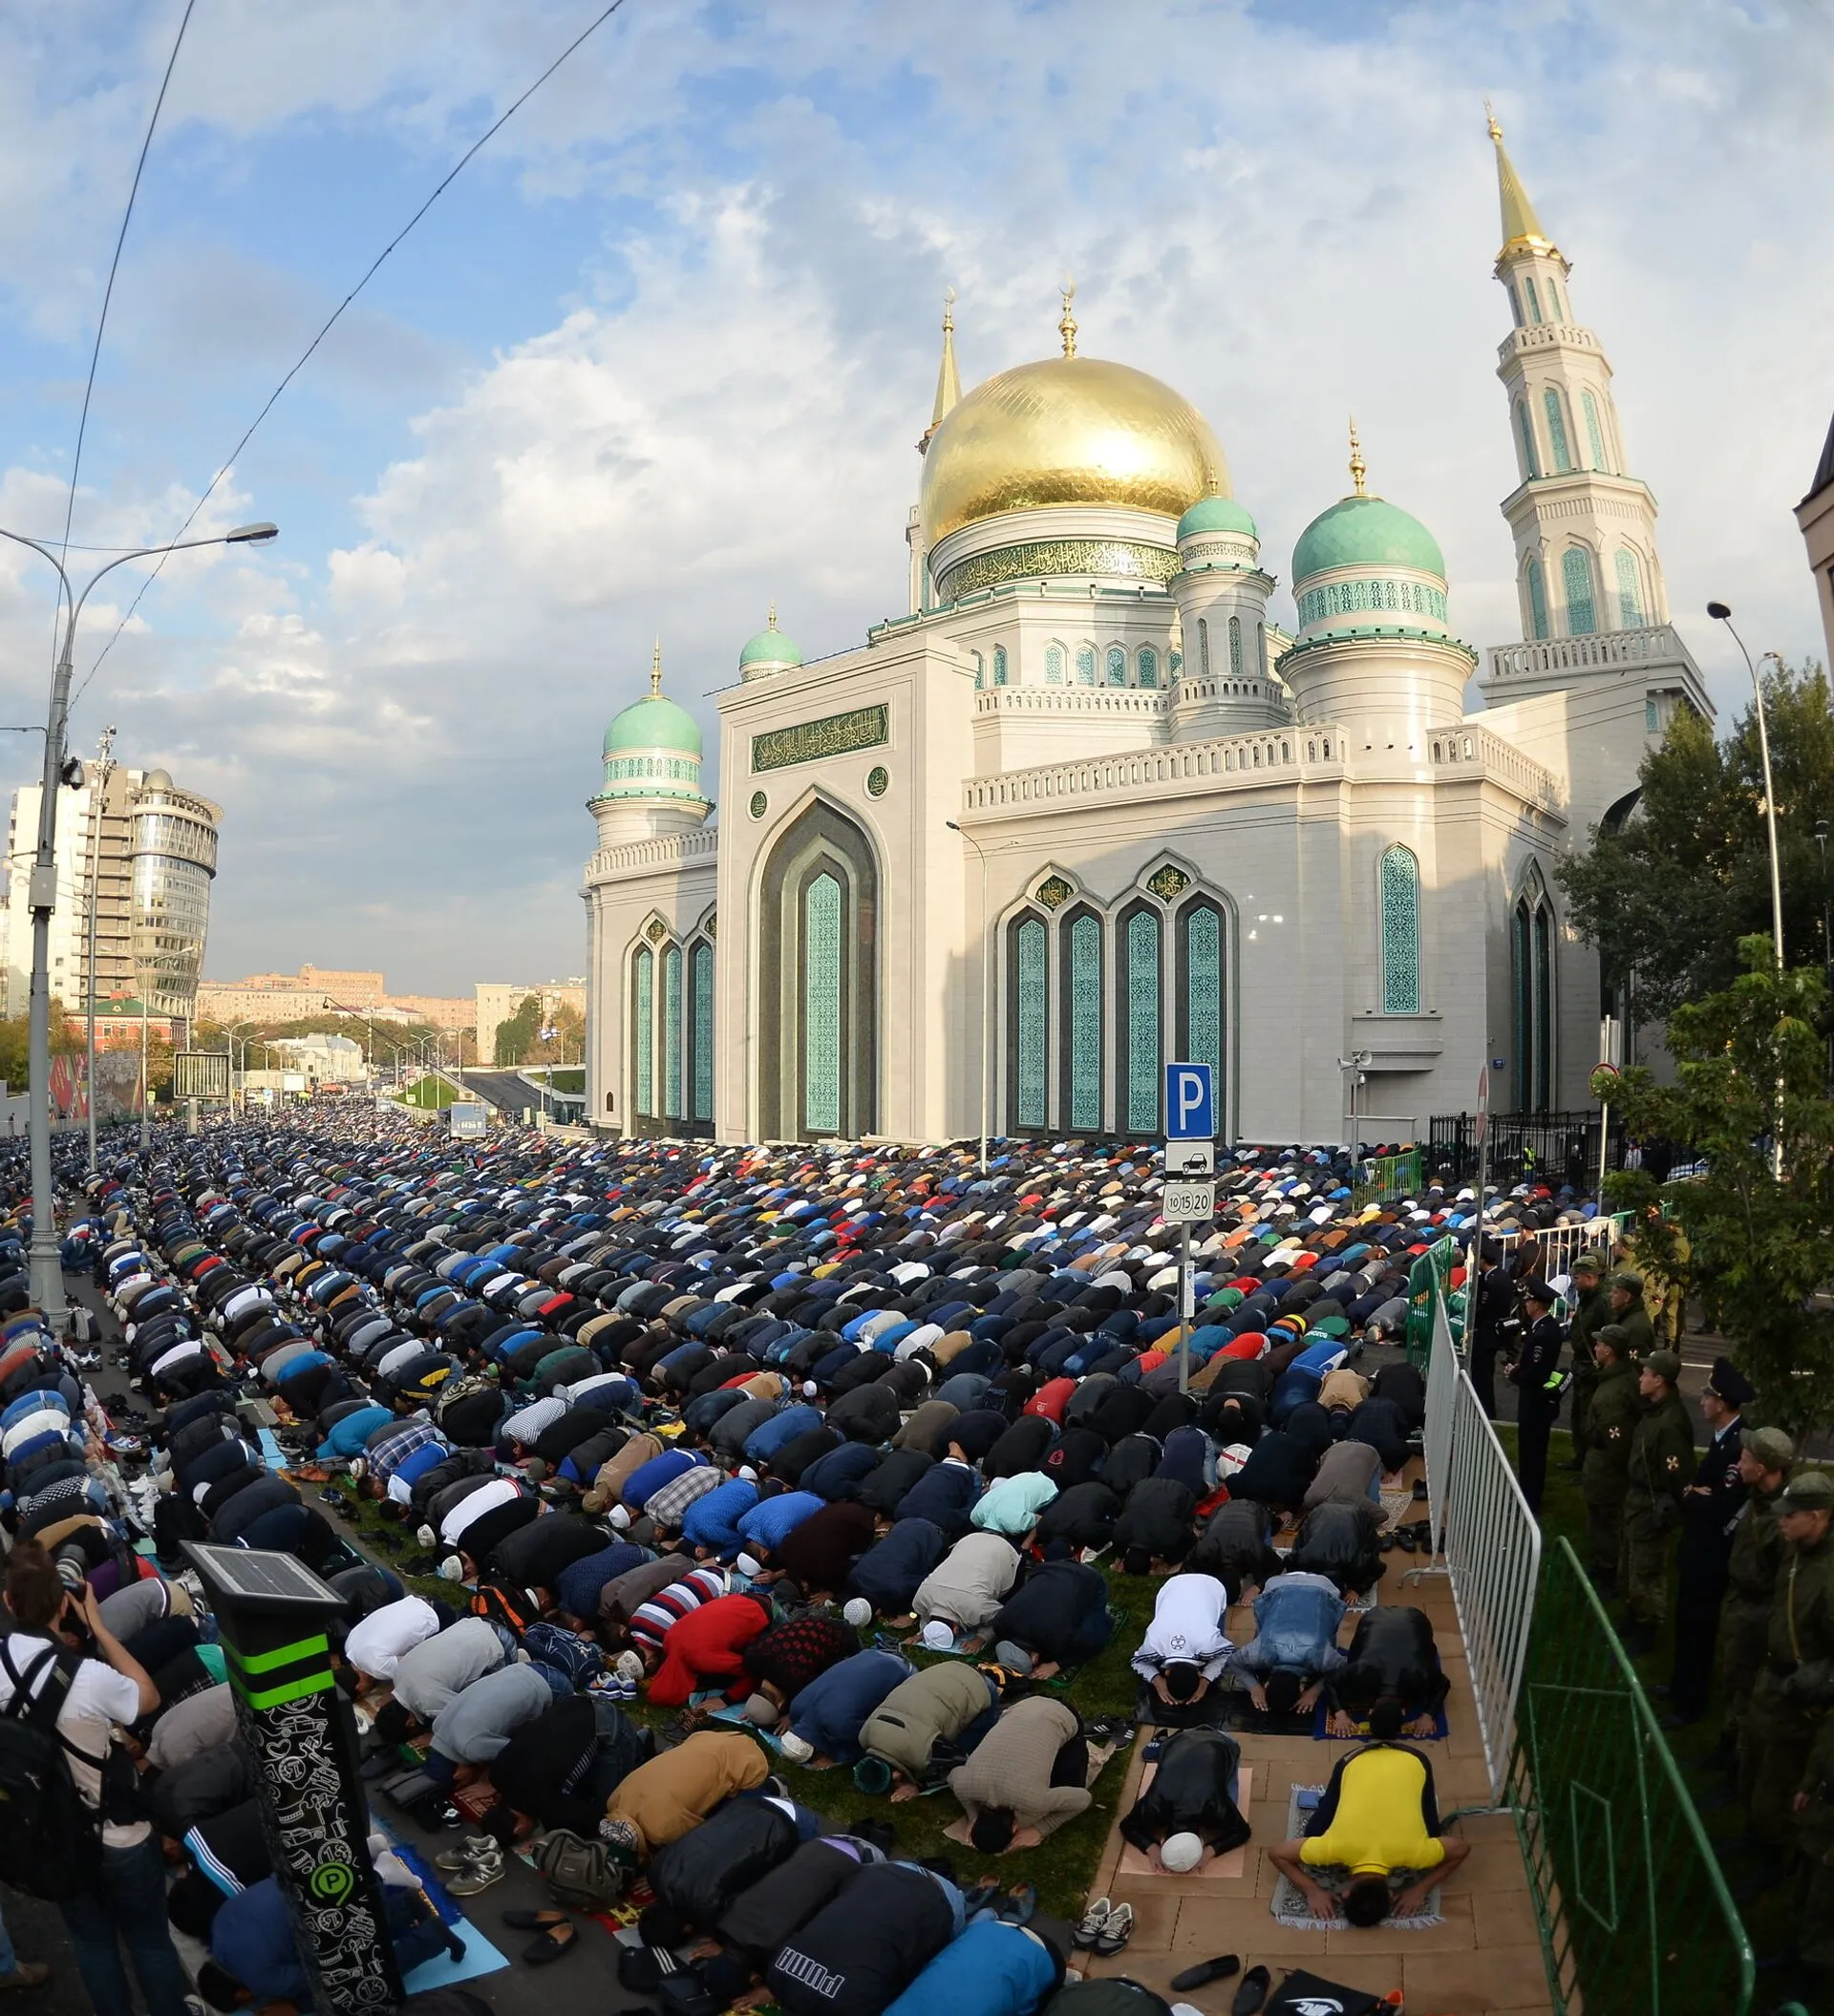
[1759, 1251]
[1670, 889]
[518, 1034]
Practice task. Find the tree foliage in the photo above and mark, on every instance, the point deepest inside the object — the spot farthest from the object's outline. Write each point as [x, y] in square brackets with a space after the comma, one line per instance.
[1759, 1252]
[1672, 889]
[521, 1037]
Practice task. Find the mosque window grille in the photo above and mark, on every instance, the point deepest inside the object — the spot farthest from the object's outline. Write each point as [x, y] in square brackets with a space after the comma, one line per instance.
[1236, 647]
[1116, 666]
[1576, 584]
[1595, 431]
[672, 1004]
[1200, 992]
[1557, 431]
[999, 664]
[980, 671]
[1401, 902]
[1524, 427]
[822, 1004]
[1531, 941]
[1651, 714]
[700, 1030]
[1053, 664]
[1203, 648]
[1515, 304]
[1149, 663]
[1630, 593]
[1261, 651]
[1031, 1023]
[1082, 1007]
[1535, 299]
[1345, 597]
[1141, 995]
[1174, 665]
[1554, 299]
[1085, 665]
[1537, 600]
[643, 1033]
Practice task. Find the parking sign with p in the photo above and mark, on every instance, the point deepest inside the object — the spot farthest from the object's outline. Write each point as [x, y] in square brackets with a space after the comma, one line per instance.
[1190, 1102]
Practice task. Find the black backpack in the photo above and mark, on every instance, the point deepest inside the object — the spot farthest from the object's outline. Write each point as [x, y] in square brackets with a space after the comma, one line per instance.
[50, 1840]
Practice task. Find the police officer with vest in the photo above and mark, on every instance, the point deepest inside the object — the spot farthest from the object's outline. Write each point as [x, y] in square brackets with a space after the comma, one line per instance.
[1710, 1507]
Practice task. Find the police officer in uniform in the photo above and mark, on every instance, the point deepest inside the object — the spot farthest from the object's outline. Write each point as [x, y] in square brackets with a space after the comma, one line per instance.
[1536, 1376]
[1617, 1408]
[1751, 1577]
[1796, 1687]
[1710, 1509]
[1495, 1308]
[1627, 1309]
[1661, 1462]
[1591, 1308]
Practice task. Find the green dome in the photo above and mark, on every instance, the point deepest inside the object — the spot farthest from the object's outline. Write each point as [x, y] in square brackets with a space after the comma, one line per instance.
[653, 723]
[1216, 514]
[769, 647]
[1365, 532]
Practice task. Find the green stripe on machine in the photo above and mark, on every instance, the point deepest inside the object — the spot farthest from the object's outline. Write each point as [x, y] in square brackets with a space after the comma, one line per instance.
[284, 1655]
[317, 1682]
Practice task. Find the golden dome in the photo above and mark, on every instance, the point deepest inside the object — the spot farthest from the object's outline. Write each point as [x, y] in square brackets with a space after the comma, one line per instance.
[1068, 431]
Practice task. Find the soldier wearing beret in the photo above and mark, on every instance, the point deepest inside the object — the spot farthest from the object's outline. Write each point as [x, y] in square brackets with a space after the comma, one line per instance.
[1627, 1309]
[1591, 1308]
[1661, 1463]
[1796, 1688]
[1616, 1405]
[1710, 1509]
[1751, 1576]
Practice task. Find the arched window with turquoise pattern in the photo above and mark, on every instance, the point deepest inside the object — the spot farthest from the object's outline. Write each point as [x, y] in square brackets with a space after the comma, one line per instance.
[1085, 665]
[1576, 584]
[642, 1032]
[1141, 1044]
[999, 665]
[1149, 665]
[1515, 304]
[822, 1004]
[1530, 463]
[1595, 431]
[1537, 600]
[1053, 664]
[1236, 647]
[700, 1029]
[1534, 300]
[1630, 593]
[1554, 299]
[671, 977]
[1031, 1023]
[1203, 648]
[1260, 650]
[1401, 932]
[1199, 990]
[1116, 666]
[1557, 431]
[1082, 1022]
[980, 671]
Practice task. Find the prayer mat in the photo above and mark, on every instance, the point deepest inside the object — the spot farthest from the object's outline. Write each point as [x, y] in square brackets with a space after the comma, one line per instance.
[1136, 1863]
[1290, 1906]
[1321, 1720]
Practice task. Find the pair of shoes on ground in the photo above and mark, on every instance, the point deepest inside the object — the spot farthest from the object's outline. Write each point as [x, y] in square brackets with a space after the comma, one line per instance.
[1105, 1928]
[558, 1934]
[1015, 1907]
[473, 1865]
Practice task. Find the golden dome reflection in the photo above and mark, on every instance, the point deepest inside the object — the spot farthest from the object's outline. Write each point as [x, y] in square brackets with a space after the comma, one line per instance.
[1068, 431]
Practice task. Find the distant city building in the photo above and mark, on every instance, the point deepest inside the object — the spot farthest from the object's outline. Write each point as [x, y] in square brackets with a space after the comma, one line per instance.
[316, 990]
[149, 849]
[1815, 515]
[498, 1002]
[325, 1060]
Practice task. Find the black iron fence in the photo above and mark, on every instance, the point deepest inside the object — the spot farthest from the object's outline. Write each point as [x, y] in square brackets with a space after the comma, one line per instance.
[1554, 1147]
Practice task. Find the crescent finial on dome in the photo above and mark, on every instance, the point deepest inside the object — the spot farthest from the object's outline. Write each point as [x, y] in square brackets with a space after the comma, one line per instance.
[1067, 323]
[655, 668]
[1358, 468]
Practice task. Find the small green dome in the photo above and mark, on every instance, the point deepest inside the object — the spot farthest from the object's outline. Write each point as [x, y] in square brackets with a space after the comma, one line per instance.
[1364, 532]
[653, 723]
[769, 647]
[1216, 514]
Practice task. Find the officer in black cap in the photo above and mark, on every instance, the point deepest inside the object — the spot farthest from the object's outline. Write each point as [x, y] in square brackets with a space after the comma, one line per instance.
[1710, 1509]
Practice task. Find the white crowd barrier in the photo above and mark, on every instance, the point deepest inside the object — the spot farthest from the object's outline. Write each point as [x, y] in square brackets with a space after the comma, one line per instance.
[1486, 1541]
[1563, 1245]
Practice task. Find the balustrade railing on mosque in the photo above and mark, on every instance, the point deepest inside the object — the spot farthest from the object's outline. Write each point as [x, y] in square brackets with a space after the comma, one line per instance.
[1147, 702]
[1604, 650]
[1491, 754]
[1237, 761]
[670, 850]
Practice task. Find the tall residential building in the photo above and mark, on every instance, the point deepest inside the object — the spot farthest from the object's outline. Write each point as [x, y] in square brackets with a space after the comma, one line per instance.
[1815, 515]
[149, 849]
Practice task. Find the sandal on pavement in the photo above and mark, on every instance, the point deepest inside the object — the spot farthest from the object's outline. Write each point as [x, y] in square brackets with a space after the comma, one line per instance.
[552, 1945]
[1252, 1992]
[534, 1921]
[1089, 1929]
[1116, 1932]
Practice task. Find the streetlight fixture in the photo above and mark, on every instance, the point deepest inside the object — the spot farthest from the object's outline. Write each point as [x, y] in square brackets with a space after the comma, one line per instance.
[987, 990]
[104, 765]
[44, 1274]
[1722, 613]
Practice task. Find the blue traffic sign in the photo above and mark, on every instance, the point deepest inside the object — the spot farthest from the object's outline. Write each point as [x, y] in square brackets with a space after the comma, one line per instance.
[1190, 1102]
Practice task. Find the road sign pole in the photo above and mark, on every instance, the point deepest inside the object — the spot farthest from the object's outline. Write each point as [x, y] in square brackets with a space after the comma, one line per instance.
[1186, 1308]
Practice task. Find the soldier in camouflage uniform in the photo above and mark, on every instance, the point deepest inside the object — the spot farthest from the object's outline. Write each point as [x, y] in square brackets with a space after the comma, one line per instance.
[1627, 1309]
[1616, 1407]
[1751, 1576]
[1795, 1691]
[1661, 1463]
[1591, 1308]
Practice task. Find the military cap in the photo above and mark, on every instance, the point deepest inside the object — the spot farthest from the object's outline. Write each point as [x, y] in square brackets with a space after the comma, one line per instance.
[1665, 1365]
[1811, 1492]
[1615, 1335]
[1772, 1448]
[1588, 1262]
[1625, 1279]
[1730, 1383]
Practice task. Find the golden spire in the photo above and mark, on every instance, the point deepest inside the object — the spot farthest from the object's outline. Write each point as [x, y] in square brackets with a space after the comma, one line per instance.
[1358, 470]
[656, 670]
[1520, 226]
[948, 384]
[1067, 323]
[770, 620]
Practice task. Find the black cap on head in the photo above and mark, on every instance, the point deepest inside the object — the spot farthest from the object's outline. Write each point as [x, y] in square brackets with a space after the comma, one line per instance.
[1729, 1384]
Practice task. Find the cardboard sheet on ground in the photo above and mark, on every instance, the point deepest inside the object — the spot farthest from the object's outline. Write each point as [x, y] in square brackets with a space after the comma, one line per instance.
[1136, 1865]
[1290, 1906]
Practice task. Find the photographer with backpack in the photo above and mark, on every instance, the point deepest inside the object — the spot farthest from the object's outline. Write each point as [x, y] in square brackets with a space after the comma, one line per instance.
[74, 1835]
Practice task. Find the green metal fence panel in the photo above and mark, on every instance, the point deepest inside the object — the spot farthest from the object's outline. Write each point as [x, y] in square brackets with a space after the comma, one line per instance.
[1387, 1179]
[1636, 1918]
[1431, 1275]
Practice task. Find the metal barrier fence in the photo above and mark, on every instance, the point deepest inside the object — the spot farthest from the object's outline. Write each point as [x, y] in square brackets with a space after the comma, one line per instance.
[1557, 1147]
[1636, 1918]
[1563, 1245]
[1488, 1539]
[1388, 1179]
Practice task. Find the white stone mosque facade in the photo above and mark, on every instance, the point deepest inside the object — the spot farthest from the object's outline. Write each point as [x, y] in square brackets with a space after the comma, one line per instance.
[1085, 808]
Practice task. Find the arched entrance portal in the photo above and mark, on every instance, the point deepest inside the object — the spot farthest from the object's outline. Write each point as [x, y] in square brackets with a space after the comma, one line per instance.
[818, 964]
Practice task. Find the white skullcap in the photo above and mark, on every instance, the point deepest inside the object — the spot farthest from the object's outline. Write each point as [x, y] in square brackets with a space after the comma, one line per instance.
[858, 1612]
[748, 1474]
[796, 1749]
[427, 1537]
[452, 1569]
[620, 1516]
[938, 1637]
[810, 1389]
[749, 1566]
[1180, 1852]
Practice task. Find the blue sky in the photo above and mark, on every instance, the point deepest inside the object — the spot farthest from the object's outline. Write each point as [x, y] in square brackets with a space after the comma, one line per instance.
[661, 354]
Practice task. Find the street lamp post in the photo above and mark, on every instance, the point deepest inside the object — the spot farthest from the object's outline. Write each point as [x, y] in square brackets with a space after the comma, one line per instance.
[44, 1275]
[98, 799]
[986, 991]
